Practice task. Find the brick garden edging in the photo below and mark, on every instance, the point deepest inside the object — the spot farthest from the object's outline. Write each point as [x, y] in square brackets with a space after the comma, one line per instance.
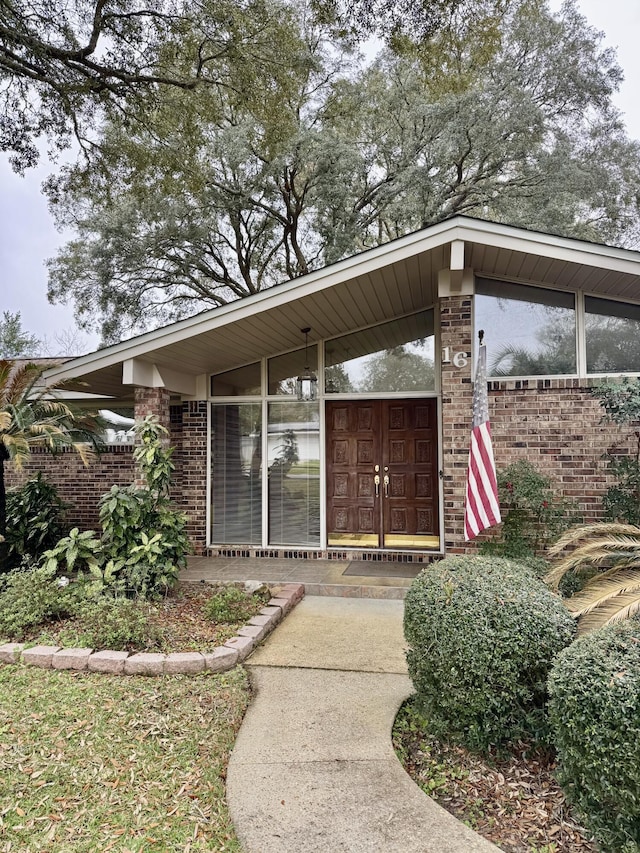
[221, 659]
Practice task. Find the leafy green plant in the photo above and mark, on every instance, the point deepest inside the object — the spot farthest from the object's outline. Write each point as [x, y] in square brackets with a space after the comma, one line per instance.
[121, 624]
[594, 709]
[33, 596]
[482, 634]
[35, 515]
[144, 540]
[229, 604]
[140, 527]
[77, 551]
[533, 515]
[606, 560]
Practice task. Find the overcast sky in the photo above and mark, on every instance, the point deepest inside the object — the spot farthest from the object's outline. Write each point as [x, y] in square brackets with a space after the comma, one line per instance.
[28, 236]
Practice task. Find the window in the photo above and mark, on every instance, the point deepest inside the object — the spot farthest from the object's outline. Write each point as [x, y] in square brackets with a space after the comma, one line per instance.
[241, 382]
[236, 470]
[283, 370]
[529, 331]
[395, 356]
[613, 336]
[293, 439]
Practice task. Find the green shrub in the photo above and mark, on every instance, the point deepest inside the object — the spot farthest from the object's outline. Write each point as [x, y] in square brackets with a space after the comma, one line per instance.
[594, 709]
[120, 624]
[33, 596]
[482, 634]
[533, 515]
[229, 604]
[35, 514]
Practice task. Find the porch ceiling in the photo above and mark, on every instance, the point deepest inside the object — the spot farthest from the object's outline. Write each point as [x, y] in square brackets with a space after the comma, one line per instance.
[392, 280]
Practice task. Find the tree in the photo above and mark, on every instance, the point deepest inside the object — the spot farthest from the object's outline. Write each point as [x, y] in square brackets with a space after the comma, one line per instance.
[31, 416]
[15, 342]
[64, 67]
[225, 196]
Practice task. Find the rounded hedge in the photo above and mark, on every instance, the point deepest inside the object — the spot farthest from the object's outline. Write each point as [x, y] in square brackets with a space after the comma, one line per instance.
[594, 711]
[482, 634]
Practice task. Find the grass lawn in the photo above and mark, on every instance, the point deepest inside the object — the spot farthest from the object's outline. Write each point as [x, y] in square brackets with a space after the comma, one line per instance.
[93, 762]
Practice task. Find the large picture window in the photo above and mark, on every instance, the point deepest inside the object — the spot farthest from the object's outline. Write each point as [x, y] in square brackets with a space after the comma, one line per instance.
[391, 357]
[236, 468]
[613, 336]
[293, 439]
[529, 331]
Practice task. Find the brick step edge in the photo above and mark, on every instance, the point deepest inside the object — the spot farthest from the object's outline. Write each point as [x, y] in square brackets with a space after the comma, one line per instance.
[223, 658]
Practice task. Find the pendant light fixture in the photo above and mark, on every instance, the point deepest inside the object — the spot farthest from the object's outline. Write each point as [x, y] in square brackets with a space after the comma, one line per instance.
[307, 382]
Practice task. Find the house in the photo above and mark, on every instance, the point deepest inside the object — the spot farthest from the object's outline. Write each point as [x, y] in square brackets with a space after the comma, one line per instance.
[371, 459]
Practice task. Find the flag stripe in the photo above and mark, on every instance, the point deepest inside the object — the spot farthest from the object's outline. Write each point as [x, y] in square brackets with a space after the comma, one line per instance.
[482, 509]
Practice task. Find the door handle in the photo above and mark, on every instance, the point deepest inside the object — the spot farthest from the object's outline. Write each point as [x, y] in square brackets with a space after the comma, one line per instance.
[376, 480]
[386, 485]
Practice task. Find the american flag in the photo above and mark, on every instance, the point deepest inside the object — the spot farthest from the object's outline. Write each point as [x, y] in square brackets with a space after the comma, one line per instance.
[481, 506]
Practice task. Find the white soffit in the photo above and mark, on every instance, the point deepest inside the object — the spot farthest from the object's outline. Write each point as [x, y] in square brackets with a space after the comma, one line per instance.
[390, 280]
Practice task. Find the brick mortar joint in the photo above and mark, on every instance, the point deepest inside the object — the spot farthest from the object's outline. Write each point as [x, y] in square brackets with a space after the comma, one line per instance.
[17, 650]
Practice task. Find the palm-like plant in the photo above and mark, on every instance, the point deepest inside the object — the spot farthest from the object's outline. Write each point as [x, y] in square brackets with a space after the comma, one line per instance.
[612, 551]
[31, 416]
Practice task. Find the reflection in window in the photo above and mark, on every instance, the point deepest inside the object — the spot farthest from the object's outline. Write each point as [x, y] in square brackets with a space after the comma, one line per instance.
[395, 356]
[283, 370]
[529, 331]
[613, 336]
[294, 473]
[236, 464]
[241, 382]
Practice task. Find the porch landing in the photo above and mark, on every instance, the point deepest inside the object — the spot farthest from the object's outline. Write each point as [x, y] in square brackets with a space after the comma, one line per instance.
[320, 577]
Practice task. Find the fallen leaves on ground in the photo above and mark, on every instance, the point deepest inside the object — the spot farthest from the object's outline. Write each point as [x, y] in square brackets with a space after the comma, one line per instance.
[514, 802]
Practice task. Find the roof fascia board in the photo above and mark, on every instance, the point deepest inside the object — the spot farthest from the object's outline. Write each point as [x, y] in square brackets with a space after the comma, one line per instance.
[558, 248]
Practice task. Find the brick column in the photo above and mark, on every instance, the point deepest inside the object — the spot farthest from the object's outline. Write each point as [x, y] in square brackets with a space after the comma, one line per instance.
[189, 429]
[457, 396]
[151, 401]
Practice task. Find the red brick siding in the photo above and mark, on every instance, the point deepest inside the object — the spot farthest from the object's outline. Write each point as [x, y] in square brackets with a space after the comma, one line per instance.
[189, 437]
[79, 486]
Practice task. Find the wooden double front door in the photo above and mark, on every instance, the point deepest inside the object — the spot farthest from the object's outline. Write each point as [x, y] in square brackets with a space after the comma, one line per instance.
[382, 474]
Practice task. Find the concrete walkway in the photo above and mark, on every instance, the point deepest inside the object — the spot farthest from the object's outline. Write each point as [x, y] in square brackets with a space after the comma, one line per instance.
[313, 769]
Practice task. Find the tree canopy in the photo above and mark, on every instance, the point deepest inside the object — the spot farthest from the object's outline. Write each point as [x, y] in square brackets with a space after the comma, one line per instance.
[66, 67]
[228, 190]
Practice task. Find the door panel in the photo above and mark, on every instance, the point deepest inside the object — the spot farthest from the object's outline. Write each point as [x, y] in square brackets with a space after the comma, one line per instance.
[353, 445]
[409, 458]
[400, 437]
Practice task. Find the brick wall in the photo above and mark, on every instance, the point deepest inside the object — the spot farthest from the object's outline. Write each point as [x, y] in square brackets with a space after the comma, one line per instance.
[189, 437]
[79, 486]
[556, 424]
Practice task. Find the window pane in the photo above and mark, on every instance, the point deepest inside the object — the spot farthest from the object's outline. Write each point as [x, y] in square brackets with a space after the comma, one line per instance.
[294, 473]
[241, 382]
[236, 471]
[529, 331]
[285, 369]
[395, 356]
[613, 336]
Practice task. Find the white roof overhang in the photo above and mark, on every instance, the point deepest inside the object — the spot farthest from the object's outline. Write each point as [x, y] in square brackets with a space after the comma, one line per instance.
[391, 280]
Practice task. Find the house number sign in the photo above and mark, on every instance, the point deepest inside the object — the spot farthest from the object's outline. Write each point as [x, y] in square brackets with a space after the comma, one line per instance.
[458, 359]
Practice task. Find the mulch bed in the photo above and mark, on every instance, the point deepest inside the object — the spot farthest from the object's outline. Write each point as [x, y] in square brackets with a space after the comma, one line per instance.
[515, 803]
